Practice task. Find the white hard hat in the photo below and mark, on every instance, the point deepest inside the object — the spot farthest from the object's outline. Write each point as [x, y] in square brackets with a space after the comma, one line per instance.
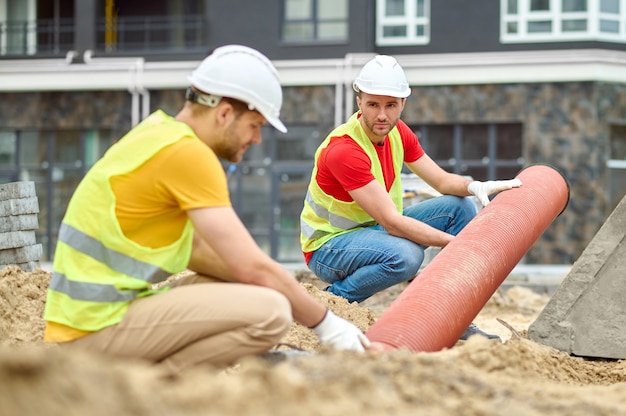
[245, 74]
[383, 75]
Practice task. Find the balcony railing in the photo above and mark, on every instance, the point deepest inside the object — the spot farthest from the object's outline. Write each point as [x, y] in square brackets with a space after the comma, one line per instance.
[136, 34]
[151, 33]
[45, 37]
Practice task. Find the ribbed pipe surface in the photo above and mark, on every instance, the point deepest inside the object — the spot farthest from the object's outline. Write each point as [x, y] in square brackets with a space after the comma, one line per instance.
[436, 308]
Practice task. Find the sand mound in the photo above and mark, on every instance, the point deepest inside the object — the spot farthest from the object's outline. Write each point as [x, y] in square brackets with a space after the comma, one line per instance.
[478, 377]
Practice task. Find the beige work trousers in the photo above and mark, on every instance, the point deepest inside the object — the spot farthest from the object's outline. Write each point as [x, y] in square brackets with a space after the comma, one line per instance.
[197, 321]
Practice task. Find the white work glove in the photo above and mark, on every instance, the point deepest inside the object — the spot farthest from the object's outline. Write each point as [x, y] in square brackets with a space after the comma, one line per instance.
[341, 334]
[482, 190]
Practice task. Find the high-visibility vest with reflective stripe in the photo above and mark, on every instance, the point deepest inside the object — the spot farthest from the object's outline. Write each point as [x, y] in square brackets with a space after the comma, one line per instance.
[324, 217]
[97, 270]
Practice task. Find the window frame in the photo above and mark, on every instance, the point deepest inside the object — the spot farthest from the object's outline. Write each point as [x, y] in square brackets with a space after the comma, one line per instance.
[41, 156]
[555, 16]
[262, 171]
[315, 20]
[459, 162]
[616, 169]
[408, 19]
[18, 31]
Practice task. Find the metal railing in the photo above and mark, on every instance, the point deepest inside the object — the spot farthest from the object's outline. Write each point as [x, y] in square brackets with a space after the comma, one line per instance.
[55, 37]
[151, 33]
[45, 37]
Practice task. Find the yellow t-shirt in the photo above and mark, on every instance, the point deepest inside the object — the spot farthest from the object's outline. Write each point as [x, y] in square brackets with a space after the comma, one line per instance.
[153, 199]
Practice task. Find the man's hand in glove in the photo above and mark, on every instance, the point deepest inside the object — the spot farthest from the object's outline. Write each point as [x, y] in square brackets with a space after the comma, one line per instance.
[341, 334]
[482, 190]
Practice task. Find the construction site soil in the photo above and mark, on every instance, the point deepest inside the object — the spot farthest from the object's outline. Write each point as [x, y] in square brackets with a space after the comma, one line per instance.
[477, 377]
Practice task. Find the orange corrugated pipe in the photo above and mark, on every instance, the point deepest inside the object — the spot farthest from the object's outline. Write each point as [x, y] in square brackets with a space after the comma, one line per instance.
[435, 309]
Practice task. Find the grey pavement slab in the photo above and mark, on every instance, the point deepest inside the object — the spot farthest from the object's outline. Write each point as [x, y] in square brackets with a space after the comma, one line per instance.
[21, 254]
[14, 239]
[586, 315]
[19, 206]
[19, 223]
[15, 190]
[30, 266]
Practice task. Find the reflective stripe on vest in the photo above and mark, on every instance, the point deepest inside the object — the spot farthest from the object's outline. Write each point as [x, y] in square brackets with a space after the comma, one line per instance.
[335, 220]
[92, 292]
[117, 261]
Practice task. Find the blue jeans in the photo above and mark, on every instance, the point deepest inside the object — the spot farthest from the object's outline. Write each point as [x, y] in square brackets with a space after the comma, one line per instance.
[363, 262]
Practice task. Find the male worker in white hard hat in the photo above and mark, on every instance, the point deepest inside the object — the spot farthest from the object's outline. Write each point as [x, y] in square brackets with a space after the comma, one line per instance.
[355, 234]
[158, 204]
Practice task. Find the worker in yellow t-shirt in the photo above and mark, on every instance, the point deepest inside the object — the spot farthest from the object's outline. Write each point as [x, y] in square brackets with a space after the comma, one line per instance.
[157, 204]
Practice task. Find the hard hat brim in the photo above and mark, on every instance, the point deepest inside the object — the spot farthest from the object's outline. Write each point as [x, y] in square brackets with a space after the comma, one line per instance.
[382, 91]
[278, 125]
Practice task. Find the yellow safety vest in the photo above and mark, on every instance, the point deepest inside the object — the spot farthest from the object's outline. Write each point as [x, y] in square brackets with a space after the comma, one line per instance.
[324, 217]
[97, 271]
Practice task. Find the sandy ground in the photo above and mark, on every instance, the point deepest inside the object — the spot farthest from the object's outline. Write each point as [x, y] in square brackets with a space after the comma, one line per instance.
[477, 377]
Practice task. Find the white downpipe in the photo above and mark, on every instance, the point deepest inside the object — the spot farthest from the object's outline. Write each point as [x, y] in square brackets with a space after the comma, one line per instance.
[140, 96]
[143, 92]
[134, 107]
[140, 100]
[339, 88]
[145, 103]
[347, 88]
[134, 97]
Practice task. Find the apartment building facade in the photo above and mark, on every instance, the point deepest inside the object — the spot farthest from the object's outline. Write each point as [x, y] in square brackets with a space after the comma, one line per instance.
[496, 86]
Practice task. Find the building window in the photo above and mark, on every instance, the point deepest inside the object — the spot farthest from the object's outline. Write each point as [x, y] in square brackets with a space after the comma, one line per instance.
[402, 22]
[40, 28]
[269, 185]
[482, 151]
[315, 21]
[7, 156]
[562, 20]
[616, 167]
[55, 161]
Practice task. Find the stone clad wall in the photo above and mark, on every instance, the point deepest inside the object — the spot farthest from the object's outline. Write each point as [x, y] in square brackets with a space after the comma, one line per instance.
[565, 125]
[310, 105]
[65, 110]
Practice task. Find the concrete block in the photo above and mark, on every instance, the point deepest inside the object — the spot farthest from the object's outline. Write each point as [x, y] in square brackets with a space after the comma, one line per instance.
[30, 266]
[586, 315]
[14, 239]
[19, 206]
[15, 190]
[21, 254]
[19, 223]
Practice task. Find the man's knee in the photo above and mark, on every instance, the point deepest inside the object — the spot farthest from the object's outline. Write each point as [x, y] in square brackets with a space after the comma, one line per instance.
[406, 261]
[465, 211]
[278, 317]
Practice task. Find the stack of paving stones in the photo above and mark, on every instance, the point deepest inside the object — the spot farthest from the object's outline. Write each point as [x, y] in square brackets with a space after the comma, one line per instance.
[19, 208]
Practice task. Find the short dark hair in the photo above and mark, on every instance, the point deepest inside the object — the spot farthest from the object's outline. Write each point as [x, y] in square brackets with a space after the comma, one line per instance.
[239, 106]
[191, 96]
